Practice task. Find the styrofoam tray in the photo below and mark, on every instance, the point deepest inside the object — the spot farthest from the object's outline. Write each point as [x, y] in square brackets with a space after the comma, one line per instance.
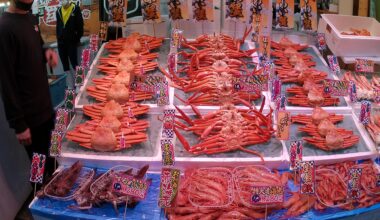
[347, 45]
[362, 150]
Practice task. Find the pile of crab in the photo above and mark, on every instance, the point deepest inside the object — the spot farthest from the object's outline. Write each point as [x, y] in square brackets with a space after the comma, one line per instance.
[91, 189]
[293, 66]
[207, 69]
[115, 123]
[366, 89]
[325, 135]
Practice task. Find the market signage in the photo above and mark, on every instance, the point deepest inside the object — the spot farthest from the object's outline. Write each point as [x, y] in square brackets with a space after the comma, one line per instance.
[296, 148]
[168, 186]
[130, 186]
[336, 87]
[264, 195]
[283, 125]
[354, 183]
[307, 174]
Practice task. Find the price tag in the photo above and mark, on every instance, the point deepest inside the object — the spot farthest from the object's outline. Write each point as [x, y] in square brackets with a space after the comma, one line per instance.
[103, 30]
[307, 174]
[37, 168]
[275, 89]
[172, 63]
[264, 48]
[336, 87]
[283, 125]
[334, 64]
[130, 186]
[69, 100]
[168, 186]
[55, 143]
[86, 56]
[254, 83]
[168, 124]
[352, 91]
[354, 183]
[281, 103]
[296, 148]
[176, 38]
[79, 76]
[263, 195]
[321, 41]
[162, 92]
[167, 152]
[364, 65]
[365, 112]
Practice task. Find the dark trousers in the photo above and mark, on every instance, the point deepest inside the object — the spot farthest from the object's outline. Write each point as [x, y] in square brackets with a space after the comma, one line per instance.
[41, 143]
[68, 52]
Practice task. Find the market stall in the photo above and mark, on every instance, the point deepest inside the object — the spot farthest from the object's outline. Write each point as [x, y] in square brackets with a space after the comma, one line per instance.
[256, 123]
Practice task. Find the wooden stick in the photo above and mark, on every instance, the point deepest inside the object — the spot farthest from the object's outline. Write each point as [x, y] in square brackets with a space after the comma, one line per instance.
[235, 31]
[35, 189]
[154, 29]
[266, 211]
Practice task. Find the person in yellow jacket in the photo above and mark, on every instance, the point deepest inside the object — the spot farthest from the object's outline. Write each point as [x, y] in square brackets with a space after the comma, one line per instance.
[69, 31]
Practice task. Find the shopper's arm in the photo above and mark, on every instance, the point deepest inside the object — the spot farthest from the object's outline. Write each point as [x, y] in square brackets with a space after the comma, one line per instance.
[9, 87]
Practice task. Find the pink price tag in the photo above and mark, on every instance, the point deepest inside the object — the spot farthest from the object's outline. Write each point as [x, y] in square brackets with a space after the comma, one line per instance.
[336, 87]
[307, 174]
[295, 153]
[263, 195]
[365, 112]
[321, 41]
[365, 66]
[130, 186]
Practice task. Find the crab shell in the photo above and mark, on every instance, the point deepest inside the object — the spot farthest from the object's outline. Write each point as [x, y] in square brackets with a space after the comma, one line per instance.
[103, 139]
[110, 122]
[118, 92]
[112, 108]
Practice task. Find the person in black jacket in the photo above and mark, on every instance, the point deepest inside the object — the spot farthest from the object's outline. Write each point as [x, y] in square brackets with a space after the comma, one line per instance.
[69, 32]
[23, 79]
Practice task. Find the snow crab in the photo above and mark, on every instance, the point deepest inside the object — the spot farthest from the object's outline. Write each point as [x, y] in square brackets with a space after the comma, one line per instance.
[227, 129]
[286, 43]
[315, 96]
[318, 115]
[112, 108]
[135, 41]
[118, 92]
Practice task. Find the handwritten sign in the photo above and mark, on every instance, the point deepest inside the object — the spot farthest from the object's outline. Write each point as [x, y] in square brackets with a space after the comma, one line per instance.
[168, 186]
[284, 13]
[130, 186]
[103, 31]
[262, 195]
[296, 148]
[167, 149]
[334, 64]
[336, 87]
[364, 65]
[283, 125]
[203, 10]
[307, 174]
[37, 168]
[151, 11]
[308, 15]
[178, 10]
[264, 48]
[168, 124]
[235, 10]
[365, 112]
[353, 188]
[118, 11]
[251, 83]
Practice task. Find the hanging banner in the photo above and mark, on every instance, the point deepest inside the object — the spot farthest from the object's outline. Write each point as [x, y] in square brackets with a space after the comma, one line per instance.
[37, 168]
[260, 17]
[118, 11]
[178, 10]
[308, 15]
[296, 148]
[285, 14]
[353, 188]
[307, 174]
[264, 48]
[168, 187]
[103, 31]
[150, 10]
[235, 10]
[283, 125]
[263, 195]
[203, 10]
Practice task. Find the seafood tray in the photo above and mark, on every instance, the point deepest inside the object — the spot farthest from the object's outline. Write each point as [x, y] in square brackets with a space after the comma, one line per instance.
[273, 153]
[361, 150]
[348, 45]
[54, 209]
[321, 65]
[83, 98]
[372, 142]
[137, 154]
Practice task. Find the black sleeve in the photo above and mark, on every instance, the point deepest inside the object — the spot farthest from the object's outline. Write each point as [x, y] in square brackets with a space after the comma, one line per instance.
[9, 88]
[79, 23]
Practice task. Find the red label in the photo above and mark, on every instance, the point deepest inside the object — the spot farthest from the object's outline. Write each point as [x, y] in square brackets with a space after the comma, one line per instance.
[127, 185]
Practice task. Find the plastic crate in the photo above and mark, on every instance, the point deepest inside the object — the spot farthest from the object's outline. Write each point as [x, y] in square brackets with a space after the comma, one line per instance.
[57, 89]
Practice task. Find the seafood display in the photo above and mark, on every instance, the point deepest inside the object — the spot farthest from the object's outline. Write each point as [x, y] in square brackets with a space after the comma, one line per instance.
[357, 32]
[373, 127]
[365, 88]
[325, 135]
